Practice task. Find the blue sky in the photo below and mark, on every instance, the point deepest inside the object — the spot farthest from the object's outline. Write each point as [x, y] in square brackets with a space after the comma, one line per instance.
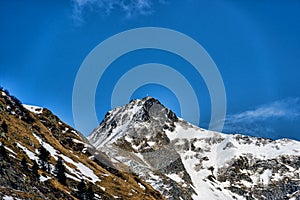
[255, 45]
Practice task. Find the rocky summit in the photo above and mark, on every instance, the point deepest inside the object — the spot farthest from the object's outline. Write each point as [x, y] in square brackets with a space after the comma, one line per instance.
[139, 151]
[183, 161]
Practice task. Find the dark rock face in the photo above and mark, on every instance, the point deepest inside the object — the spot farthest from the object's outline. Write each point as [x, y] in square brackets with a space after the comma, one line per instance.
[172, 116]
[275, 189]
[145, 135]
[161, 156]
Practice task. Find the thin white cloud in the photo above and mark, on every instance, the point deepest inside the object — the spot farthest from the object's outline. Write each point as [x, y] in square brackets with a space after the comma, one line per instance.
[105, 7]
[260, 120]
[288, 109]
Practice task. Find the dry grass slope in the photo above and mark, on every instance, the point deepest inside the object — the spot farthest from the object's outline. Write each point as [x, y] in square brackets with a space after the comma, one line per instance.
[22, 125]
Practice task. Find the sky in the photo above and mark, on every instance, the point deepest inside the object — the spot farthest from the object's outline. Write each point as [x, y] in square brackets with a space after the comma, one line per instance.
[254, 44]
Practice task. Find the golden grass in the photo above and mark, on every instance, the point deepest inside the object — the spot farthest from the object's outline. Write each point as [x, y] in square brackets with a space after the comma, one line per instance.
[21, 132]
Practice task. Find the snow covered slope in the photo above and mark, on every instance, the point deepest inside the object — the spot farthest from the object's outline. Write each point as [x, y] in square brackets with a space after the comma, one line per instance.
[183, 161]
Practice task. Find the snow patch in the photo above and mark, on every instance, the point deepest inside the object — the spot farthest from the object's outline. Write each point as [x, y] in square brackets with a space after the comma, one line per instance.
[102, 188]
[87, 172]
[30, 154]
[151, 144]
[72, 177]
[33, 109]
[66, 129]
[75, 132]
[43, 178]
[53, 152]
[265, 176]
[10, 150]
[8, 197]
[83, 171]
[77, 141]
[175, 178]
[141, 186]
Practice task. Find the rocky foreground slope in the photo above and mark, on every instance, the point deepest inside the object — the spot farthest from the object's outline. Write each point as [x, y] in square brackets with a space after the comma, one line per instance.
[43, 158]
[186, 162]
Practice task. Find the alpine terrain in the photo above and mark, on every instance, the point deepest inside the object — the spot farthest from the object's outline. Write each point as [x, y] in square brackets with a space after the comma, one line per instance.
[183, 161]
[41, 157]
[139, 151]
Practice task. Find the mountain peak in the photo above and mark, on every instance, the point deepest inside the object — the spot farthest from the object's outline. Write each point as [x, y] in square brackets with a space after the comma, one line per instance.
[134, 115]
[141, 150]
[176, 157]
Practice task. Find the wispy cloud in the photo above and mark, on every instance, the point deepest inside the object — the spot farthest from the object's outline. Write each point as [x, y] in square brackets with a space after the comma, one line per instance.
[105, 7]
[262, 119]
[288, 108]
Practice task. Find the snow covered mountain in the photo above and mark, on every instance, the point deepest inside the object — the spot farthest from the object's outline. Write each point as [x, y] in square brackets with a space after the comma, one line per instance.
[140, 151]
[185, 162]
[41, 157]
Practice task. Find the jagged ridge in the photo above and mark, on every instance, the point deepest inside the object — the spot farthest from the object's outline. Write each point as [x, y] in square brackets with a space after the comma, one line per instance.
[186, 162]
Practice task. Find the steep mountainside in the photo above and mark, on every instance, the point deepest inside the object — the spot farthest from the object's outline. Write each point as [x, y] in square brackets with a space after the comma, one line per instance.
[186, 162]
[43, 158]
